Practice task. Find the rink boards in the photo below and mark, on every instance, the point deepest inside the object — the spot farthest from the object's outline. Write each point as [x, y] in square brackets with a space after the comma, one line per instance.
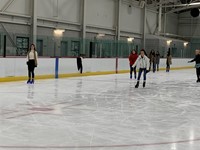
[15, 69]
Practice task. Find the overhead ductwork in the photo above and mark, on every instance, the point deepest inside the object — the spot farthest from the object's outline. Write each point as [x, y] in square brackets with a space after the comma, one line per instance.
[185, 1]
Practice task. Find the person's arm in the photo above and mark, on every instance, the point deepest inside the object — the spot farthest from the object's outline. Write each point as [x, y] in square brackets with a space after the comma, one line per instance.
[170, 60]
[148, 64]
[27, 56]
[129, 58]
[36, 55]
[136, 62]
[192, 60]
[36, 58]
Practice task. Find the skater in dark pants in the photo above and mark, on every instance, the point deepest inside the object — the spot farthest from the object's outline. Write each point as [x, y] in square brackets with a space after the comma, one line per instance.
[168, 61]
[79, 64]
[152, 57]
[157, 60]
[132, 58]
[32, 57]
[197, 66]
[143, 64]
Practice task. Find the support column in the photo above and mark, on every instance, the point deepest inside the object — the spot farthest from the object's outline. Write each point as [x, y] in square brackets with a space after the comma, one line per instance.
[118, 19]
[34, 22]
[83, 24]
[118, 25]
[160, 19]
[144, 26]
[165, 22]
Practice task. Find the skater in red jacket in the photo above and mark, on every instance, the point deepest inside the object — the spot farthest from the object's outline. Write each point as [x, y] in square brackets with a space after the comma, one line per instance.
[132, 58]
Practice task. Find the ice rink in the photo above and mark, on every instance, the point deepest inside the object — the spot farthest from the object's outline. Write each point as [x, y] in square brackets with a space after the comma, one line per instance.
[102, 113]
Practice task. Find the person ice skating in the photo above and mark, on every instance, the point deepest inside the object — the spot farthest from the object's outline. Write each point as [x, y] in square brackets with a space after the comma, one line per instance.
[143, 64]
[168, 61]
[132, 58]
[197, 66]
[79, 64]
[32, 62]
[157, 60]
[152, 57]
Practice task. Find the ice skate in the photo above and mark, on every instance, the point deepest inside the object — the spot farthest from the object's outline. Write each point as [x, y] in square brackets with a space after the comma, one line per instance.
[32, 81]
[28, 82]
[144, 83]
[130, 76]
[137, 85]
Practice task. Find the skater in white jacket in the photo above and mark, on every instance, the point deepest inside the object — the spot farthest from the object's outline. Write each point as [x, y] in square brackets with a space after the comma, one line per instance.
[142, 63]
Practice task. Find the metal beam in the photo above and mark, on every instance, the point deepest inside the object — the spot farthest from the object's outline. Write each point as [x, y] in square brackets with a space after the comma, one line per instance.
[8, 35]
[148, 26]
[183, 8]
[7, 5]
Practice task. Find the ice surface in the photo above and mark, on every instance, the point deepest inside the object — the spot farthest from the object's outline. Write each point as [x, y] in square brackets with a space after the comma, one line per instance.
[102, 113]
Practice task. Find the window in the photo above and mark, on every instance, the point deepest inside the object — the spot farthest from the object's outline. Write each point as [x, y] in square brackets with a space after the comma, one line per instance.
[22, 46]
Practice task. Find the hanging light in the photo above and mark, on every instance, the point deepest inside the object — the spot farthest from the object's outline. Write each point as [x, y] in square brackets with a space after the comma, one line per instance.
[59, 32]
[169, 42]
[130, 39]
[185, 44]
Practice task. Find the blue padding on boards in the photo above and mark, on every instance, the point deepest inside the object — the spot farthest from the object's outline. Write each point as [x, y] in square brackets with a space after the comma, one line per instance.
[56, 67]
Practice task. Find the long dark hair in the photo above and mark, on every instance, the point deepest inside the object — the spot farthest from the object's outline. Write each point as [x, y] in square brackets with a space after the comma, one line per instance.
[143, 51]
[157, 53]
[134, 51]
[33, 46]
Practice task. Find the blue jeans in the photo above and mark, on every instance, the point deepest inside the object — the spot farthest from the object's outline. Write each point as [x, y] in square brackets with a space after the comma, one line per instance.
[140, 73]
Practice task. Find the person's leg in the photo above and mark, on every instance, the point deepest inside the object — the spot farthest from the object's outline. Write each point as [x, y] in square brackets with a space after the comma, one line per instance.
[135, 73]
[198, 74]
[131, 72]
[138, 79]
[33, 74]
[29, 74]
[150, 66]
[157, 67]
[81, 69]
[154, 66]
[144, 74]
[167, 67]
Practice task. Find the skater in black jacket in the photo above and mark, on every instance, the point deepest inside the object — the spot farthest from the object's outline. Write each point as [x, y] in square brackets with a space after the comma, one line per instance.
[197, 66]
[79, 64]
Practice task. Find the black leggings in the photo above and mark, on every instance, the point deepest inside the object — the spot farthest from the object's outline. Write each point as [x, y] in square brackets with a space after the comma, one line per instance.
[80, 68]
[168, 66]
[132, 69]
[31, 67]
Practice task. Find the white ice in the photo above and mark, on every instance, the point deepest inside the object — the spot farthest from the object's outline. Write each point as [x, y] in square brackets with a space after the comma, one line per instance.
[102, 113]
